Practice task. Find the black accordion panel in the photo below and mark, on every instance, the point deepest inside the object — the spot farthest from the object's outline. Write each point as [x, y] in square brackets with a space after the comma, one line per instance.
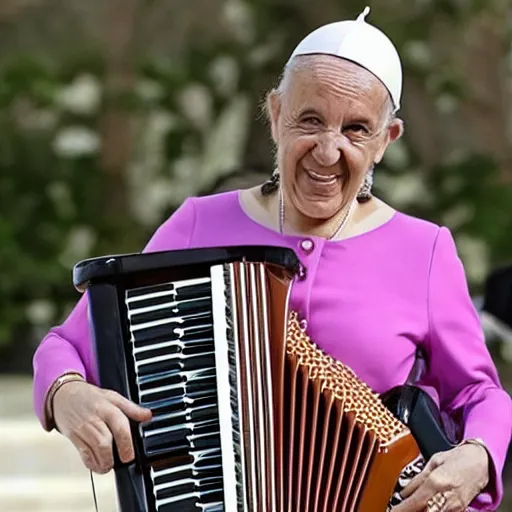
[153, 329]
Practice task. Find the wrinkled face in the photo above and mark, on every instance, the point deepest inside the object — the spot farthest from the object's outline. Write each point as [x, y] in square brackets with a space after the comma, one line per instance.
[331, 122]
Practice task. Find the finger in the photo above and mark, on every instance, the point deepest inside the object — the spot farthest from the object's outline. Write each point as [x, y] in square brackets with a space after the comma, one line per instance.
[119, 425]
[436, 461]
[101, 441]
[453, 504]
[86, 453]
[130, 409]
[418, 500]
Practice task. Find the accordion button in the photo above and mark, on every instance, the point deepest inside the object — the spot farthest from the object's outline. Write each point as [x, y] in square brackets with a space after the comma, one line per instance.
[307, 245]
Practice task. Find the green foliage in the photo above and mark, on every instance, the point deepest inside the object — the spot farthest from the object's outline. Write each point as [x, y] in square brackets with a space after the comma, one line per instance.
[473, 186]
[43, 197]
[52, 202]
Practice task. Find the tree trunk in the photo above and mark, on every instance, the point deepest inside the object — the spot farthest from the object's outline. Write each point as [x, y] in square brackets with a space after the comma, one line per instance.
[116, 120]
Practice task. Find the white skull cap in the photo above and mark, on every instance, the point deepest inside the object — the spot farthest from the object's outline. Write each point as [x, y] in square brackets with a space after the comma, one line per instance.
[362, 44]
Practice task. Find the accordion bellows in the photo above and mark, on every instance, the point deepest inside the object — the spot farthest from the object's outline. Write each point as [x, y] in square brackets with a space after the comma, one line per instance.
[328, 443]
[347, 449]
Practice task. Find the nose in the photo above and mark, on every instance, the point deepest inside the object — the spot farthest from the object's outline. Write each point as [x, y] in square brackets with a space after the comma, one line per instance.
[327, 151]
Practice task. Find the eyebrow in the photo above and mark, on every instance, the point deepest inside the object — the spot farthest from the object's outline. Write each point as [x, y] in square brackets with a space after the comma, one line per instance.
[309, 112]
[360, 120]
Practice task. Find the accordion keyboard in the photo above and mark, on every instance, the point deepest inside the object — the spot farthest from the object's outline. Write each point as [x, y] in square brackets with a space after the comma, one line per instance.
[171, 332]
[202, 365]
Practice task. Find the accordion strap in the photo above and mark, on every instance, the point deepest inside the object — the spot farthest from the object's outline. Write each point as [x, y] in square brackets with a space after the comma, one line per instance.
[418, 368]
[94, 493]
[451, 427]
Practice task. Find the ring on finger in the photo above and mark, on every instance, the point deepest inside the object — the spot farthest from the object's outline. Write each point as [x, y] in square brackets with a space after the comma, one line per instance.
[432, 506]
[436, 503]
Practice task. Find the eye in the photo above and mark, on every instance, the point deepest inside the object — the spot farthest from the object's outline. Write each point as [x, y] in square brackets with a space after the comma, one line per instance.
[356, 128]
[312, 121]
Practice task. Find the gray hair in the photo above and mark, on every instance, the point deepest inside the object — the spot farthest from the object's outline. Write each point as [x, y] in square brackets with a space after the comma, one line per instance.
[301, 62]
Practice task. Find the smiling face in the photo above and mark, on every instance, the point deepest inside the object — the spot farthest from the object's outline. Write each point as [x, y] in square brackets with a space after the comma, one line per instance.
[331, 121]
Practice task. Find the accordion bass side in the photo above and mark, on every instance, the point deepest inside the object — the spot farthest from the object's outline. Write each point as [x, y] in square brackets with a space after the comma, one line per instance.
[248, 414]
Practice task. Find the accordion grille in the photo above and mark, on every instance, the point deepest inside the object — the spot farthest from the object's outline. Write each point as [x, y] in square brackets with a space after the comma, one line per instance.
[357, 397]
[342, 449]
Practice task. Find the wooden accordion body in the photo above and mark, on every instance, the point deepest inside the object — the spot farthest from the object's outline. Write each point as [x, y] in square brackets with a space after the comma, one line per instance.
[248, 414]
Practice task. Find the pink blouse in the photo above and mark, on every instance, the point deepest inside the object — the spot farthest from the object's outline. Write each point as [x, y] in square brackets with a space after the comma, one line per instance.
[369, 301]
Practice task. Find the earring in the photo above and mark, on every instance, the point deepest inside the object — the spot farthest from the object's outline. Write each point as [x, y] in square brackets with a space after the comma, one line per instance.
[272, 184]
[365, 192]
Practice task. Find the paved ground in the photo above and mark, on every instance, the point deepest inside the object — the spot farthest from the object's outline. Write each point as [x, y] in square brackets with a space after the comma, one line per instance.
[41, 472]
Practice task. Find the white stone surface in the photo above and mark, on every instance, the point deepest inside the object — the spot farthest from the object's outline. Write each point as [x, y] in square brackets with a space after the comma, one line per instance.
[41, 471]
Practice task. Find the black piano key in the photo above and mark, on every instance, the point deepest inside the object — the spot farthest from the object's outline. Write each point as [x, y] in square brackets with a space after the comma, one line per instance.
[208, 462]
[204, 413]
[155, 300]
[199, 288]
[187, 337]
[196, 429]
[158, 450]
[193, 291]
[213, 496]
[155, 399]
[191, 501]
[185, 505]
[170, 298]
[178, 434]
[200, 385]
[176, 403]
[159, 446]
[178, 407]
[183, 364]
[192, 415]
[174, 329]
[177, 366]
[207, 441]
[190, 485]
[154, 380]
[179, 349]
[199, 469]
[215, 470]
[169, 309]
[178, 390]
[197, 333]
[152, 320]
[213, 507]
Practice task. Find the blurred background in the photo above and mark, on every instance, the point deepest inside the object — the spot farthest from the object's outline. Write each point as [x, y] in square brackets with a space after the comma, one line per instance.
[112, 112]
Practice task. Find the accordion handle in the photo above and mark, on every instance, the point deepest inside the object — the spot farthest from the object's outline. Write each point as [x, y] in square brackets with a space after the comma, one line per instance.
[417, 410]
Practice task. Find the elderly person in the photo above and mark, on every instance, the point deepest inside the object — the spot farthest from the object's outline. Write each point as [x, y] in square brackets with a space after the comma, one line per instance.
[379, 283]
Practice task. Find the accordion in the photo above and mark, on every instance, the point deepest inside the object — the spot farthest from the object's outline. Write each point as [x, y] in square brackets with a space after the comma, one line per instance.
[248, 414]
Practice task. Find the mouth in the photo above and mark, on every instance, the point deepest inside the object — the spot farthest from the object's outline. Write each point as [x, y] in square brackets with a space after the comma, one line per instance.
[326, 179]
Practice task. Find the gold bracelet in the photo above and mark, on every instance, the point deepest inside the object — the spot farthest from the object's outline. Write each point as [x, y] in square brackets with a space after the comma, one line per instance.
[58, 383]
[478, 442]
[475, 440]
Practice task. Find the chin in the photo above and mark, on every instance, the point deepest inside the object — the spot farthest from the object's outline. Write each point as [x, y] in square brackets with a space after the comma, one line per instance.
[320, 209]
[316, 206]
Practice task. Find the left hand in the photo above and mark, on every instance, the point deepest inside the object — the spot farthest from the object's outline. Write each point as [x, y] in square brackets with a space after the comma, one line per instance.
[459, 475]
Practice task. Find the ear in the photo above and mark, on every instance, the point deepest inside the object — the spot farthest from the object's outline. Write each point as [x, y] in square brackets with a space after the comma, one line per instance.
[393, 132]
[274, 112]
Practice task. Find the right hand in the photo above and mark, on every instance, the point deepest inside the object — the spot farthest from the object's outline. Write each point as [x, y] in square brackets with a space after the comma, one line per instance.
[92, 418]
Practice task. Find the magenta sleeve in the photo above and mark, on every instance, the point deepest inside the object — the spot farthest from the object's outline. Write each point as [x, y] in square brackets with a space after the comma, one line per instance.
[67, 347]
[461, 368]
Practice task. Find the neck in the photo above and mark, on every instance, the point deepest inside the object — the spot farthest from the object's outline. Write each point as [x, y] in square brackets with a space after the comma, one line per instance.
[293, 222]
